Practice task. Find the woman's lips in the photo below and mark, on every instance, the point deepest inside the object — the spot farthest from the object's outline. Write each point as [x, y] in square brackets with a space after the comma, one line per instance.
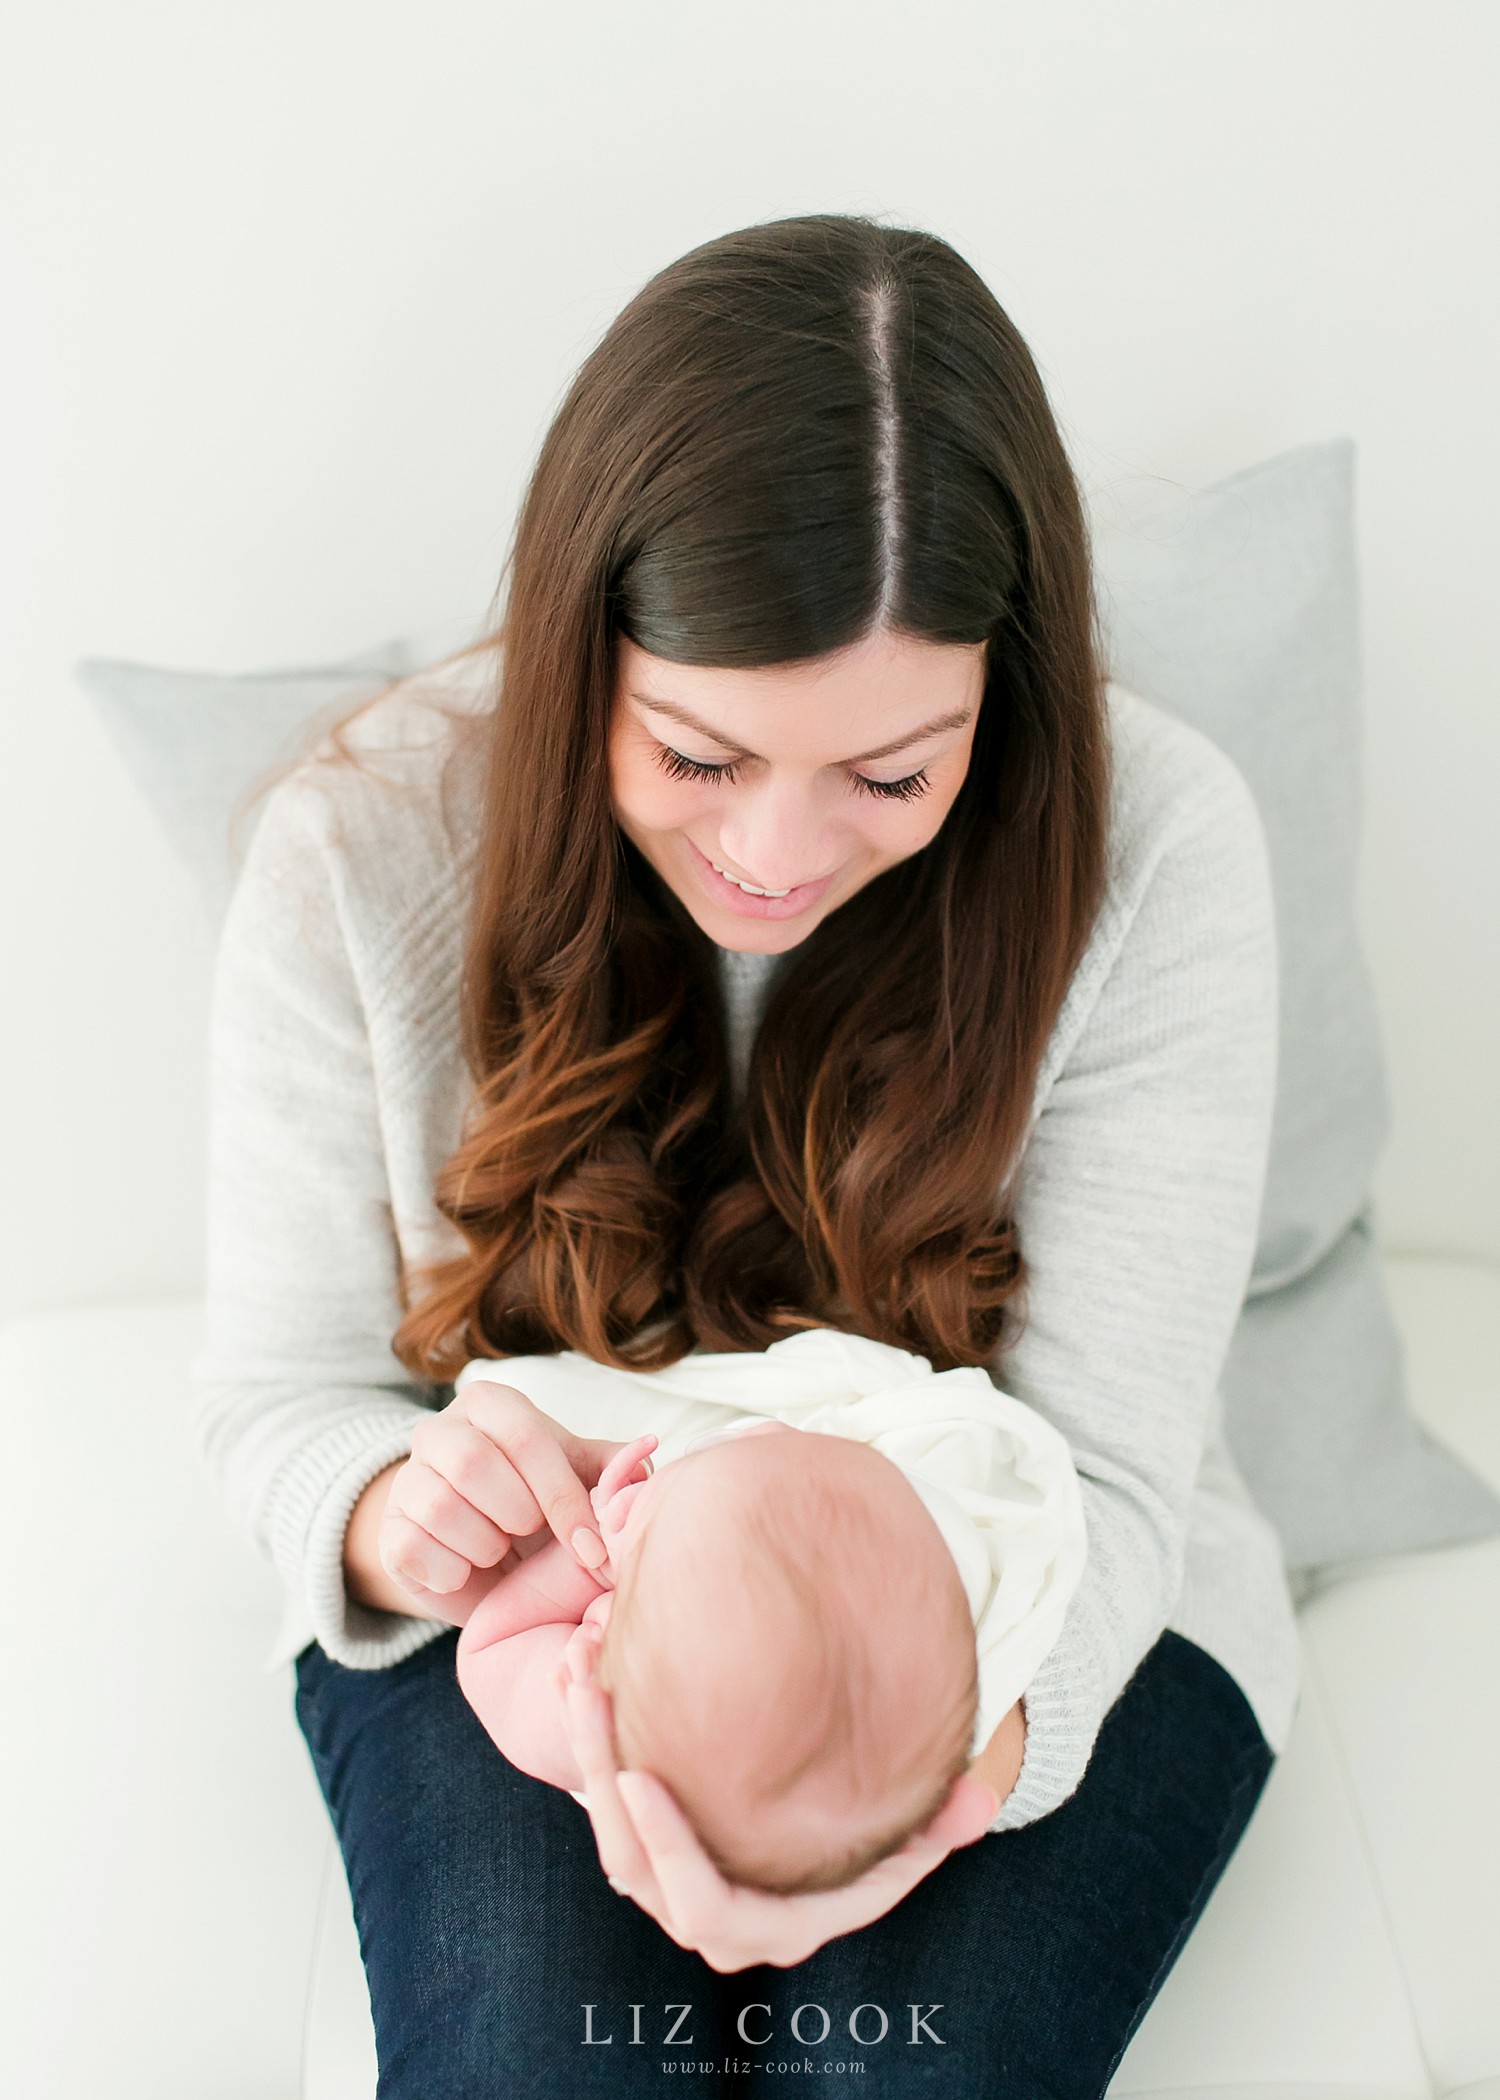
[731, 897]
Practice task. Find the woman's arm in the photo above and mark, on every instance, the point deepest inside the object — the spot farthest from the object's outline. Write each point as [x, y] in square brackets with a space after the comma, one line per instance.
[300, 1405]
[338, 1087]
[1137, 1204]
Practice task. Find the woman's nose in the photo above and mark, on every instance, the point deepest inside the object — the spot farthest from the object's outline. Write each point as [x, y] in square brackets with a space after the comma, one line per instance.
[776, 839]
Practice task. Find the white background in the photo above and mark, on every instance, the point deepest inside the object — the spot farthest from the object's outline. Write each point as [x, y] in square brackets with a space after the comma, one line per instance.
[290, 290]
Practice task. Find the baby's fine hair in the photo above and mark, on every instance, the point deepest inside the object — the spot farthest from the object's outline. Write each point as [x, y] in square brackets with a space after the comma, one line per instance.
[839, 1670]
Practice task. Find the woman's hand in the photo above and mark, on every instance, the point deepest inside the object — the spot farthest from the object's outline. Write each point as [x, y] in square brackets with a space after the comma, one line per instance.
[649, 1851]
[487, 1475]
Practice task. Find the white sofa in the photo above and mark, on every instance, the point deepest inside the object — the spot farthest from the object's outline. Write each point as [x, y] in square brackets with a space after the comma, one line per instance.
[179, 1928]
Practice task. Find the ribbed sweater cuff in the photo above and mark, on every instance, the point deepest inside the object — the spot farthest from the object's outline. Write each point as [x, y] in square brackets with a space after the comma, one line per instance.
[315, 1496]
[1063, 1712]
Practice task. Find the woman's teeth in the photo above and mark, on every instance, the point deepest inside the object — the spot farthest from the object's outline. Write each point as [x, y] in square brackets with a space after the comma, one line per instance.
[749, 887]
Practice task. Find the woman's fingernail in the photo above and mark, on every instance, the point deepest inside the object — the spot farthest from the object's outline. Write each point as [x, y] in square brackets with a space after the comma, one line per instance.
[589, 1547]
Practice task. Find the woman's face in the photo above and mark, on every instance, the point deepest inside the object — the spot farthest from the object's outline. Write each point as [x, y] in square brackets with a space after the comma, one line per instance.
[765, 799]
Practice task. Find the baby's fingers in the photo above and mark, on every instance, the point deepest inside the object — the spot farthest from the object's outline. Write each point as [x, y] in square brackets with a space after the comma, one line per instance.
[616, 1514]
[622, 1468]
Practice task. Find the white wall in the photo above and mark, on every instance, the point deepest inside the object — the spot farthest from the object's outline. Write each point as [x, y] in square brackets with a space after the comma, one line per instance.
[289, 291]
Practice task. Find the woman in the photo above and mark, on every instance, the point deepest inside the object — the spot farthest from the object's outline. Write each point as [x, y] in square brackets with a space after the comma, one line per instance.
[807, 936]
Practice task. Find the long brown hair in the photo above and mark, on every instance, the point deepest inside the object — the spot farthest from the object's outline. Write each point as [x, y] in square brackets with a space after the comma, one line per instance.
[790, 436]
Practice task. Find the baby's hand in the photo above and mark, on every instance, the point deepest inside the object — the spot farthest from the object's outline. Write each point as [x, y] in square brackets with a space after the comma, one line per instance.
[616, 1492]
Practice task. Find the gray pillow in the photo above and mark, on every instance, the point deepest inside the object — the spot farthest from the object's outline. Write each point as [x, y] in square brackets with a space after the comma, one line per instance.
[200, 744]
[1236, 609]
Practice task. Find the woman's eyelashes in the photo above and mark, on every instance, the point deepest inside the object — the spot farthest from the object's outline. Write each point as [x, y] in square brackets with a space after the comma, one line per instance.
[895, 790]
[680, 767]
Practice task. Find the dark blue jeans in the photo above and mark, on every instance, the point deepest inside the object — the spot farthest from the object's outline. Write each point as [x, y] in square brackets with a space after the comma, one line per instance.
[501, 1964]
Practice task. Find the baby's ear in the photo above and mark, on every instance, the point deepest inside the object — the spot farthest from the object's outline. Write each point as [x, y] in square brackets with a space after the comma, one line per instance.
[597, 1613]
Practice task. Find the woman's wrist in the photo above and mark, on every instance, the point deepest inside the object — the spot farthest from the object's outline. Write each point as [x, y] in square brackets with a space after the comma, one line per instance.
[365, 1578]
[999, 1762]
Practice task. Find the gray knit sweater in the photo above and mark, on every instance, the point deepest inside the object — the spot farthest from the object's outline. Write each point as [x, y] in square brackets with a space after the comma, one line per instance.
[338, 1090]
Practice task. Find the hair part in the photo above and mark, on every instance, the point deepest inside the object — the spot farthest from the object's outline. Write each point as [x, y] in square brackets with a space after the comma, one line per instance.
[887, 428]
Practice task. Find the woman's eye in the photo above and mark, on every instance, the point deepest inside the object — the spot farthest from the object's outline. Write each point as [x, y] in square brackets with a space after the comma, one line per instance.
[683, 768]
[894, 790]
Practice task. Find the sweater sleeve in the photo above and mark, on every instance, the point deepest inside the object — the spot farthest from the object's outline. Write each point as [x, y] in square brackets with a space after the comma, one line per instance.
[1137, 1200]
[298, 1399]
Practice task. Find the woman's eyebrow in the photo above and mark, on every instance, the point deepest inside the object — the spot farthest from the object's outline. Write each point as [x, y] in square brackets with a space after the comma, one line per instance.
[956, 718]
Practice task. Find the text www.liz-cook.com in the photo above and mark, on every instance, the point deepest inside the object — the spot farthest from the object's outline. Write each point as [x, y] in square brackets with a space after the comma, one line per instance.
[791, 2066]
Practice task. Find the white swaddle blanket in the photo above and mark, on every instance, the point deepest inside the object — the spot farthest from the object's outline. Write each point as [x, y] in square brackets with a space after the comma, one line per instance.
[997, 1479]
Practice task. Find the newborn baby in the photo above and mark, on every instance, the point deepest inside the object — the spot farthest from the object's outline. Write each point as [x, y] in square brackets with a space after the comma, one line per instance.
[842, 1574]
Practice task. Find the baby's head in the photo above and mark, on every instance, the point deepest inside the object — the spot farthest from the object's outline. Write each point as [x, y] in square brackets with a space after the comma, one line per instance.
[790, 1648]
